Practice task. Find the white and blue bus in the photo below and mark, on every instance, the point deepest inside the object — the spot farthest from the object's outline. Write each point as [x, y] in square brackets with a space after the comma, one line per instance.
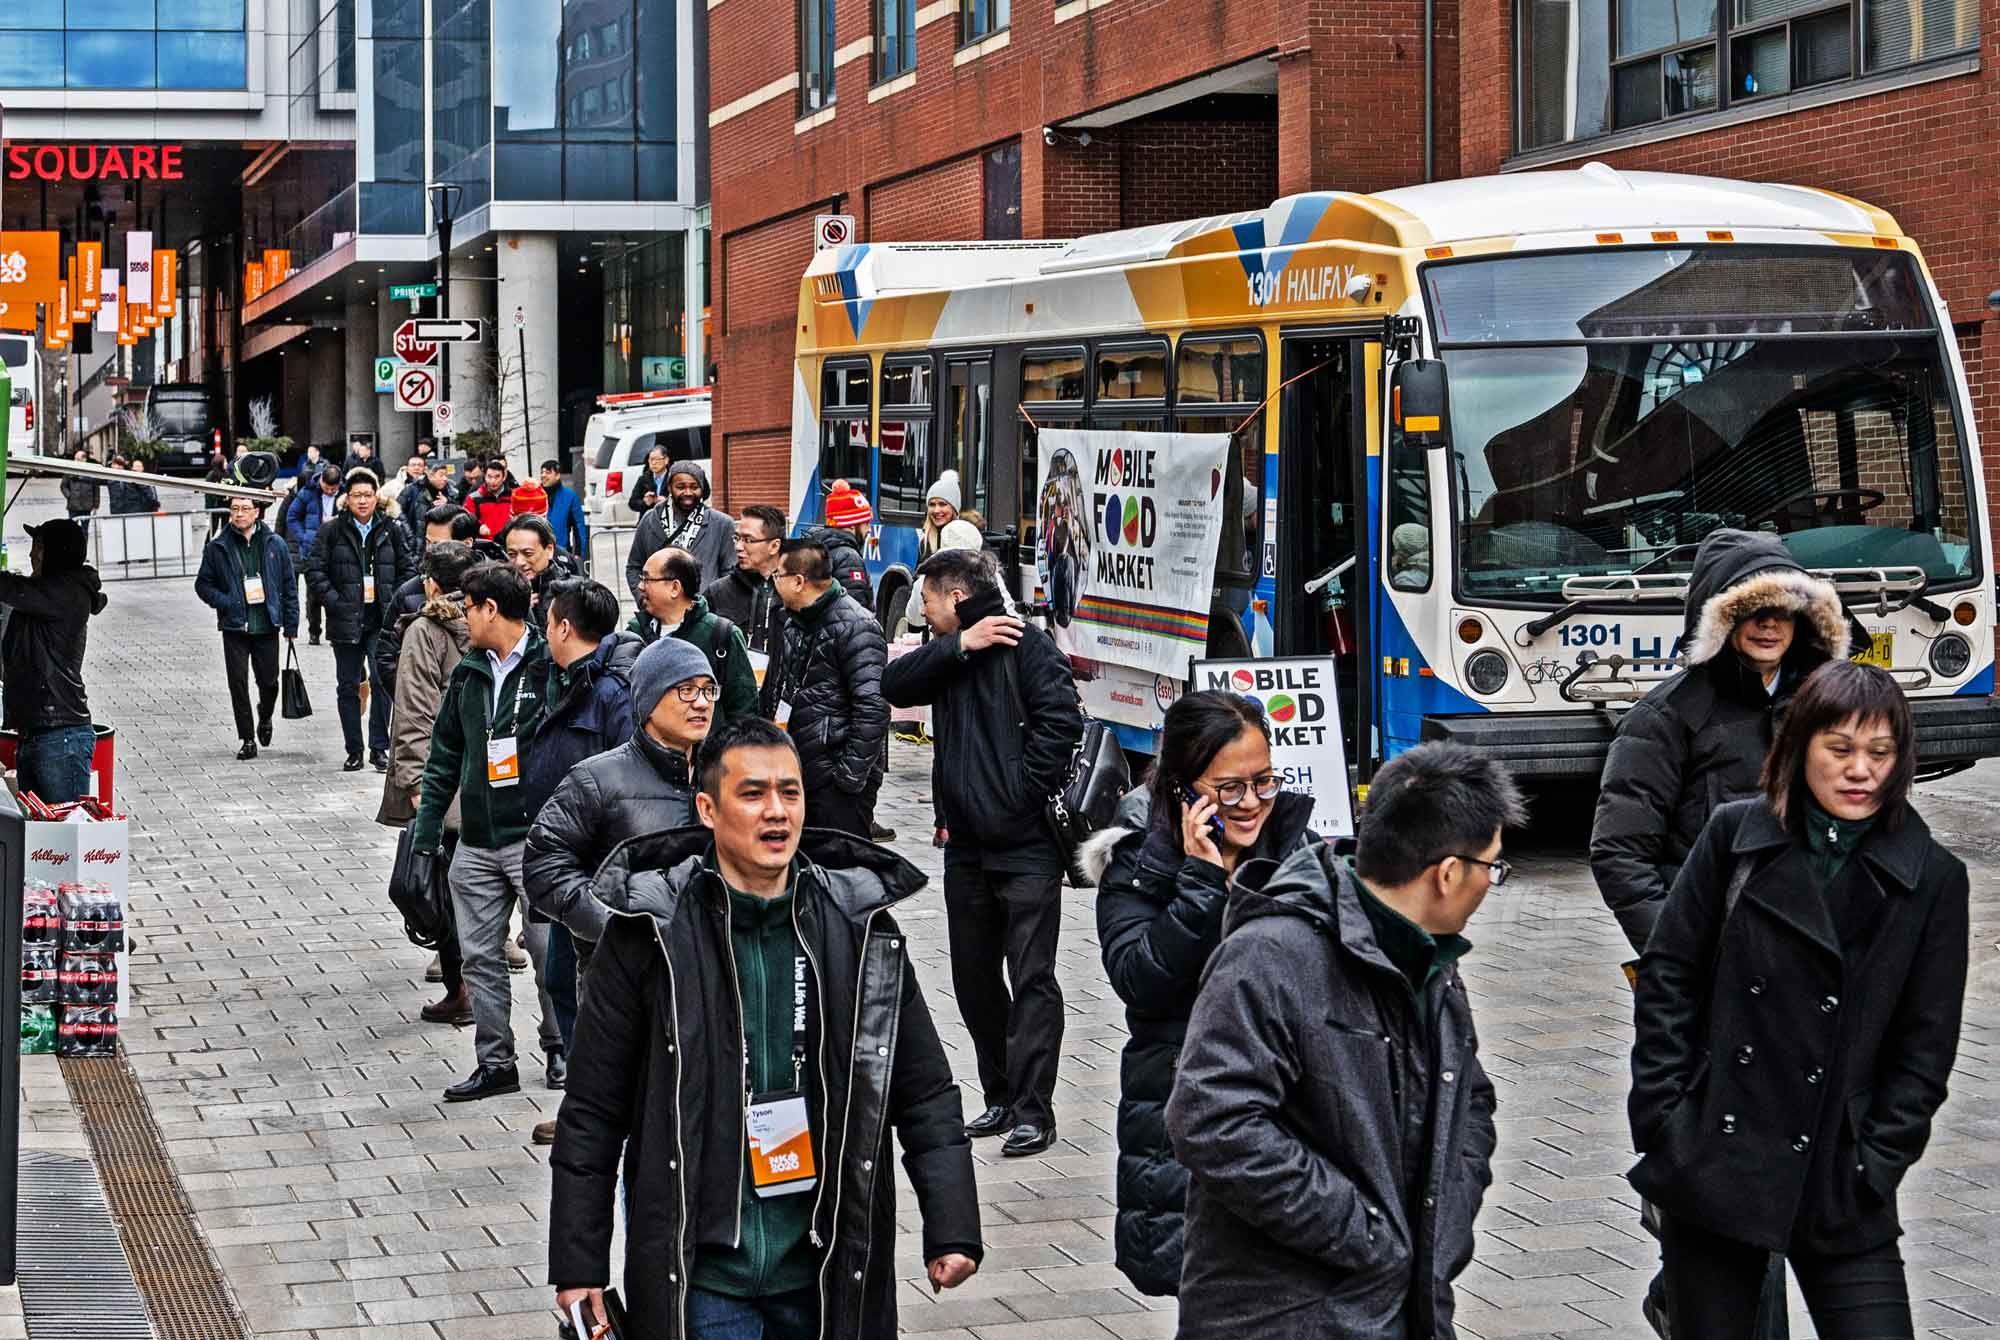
[1595, 369]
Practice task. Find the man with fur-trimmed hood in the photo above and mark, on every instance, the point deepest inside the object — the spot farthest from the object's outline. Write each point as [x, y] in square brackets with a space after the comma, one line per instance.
[1757, 625]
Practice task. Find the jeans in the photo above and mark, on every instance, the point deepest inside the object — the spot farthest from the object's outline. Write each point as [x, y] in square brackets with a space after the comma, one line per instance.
[354, 665]
[240, 652]
[485, 884]
[784, 1316]
[1713, 1284]
[997, 918]
[55, 764]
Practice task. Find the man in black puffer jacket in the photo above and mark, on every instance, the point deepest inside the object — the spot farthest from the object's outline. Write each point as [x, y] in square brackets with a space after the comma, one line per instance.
[358, 560]
[843, 558]
[827, 690]
[1005, 713]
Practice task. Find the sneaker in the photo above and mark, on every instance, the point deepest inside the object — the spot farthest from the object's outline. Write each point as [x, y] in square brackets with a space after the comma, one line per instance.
[517, 958]
[544, 1133]
[558, 1069]
[435, 973]
[315, 640]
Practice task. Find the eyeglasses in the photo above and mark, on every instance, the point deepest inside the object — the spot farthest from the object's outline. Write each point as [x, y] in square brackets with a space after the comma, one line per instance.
[742, 539]
[1498, 871]
[1233, 794]
[688, 691]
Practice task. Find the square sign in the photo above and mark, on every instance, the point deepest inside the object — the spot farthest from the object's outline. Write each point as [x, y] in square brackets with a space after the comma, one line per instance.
[385, 375]
[1303, 707]
[832, 230]
[416, 389]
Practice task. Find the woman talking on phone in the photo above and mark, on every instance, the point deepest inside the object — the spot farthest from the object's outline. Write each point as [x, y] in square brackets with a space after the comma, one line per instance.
[1211, 811]
[1797, 1015]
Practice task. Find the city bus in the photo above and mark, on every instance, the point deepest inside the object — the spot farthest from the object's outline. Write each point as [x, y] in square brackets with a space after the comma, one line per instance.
[1482, 427]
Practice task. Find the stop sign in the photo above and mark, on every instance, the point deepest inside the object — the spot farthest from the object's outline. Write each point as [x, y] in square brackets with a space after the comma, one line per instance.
[410, 349]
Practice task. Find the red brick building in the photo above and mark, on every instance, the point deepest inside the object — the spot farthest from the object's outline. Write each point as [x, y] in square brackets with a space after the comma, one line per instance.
[959, 119]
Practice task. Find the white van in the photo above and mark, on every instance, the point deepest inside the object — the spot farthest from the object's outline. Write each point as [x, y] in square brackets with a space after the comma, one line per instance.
[625, 428]
[25, 370]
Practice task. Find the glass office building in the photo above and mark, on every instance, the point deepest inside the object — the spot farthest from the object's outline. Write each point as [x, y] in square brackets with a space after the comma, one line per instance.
[118, 45]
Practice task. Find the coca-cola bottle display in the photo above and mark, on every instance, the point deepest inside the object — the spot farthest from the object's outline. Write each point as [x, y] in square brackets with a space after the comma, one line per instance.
[41, 921]
[87, 1030]
[39, 965]
[88, 979]
[93, 918]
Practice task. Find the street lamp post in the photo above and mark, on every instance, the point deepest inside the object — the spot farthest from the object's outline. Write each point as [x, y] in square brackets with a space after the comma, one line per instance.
[444, 207]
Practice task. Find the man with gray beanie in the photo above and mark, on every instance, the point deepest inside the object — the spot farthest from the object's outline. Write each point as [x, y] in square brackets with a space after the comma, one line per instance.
[645, 785]
[684, 520]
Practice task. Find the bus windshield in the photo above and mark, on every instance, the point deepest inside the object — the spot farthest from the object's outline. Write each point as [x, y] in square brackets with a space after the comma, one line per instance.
[181, 416]
[1611, 408]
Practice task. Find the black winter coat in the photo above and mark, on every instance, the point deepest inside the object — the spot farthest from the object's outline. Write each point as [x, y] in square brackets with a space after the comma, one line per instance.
[1304, 1047]
[1159, 917]
[843, 552]
[1007, 725]
[41, 653]
[1699, 740]
[406, 604]
[831, 674]
[751, 603]
[1782, 1086]
[336, 566]
[635, 790]
[655, 1073]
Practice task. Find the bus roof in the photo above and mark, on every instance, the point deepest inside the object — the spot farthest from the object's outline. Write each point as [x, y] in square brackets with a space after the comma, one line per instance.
[1593, 198]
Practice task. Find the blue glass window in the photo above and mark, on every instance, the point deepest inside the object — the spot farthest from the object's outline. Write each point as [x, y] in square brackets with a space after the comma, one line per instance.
[92, 14]
[657, 64]
[110, 59]
[597, 171]
[202, 60]
[659, 172]
[31, 14]
[31, 60]
[207, 15]
[527, 171]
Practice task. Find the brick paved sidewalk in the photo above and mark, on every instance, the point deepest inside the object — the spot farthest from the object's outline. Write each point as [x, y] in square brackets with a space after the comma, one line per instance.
[275, 1032]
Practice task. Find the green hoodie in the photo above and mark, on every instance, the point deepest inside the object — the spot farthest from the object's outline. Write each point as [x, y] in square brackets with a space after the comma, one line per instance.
[490, 817]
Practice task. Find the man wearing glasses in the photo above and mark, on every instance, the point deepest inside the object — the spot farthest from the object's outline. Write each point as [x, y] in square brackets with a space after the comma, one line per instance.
[1330, 1107]
[746, 596]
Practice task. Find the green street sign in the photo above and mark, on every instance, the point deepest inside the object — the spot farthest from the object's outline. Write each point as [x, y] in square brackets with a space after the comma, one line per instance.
[385, 375]
[411, 292]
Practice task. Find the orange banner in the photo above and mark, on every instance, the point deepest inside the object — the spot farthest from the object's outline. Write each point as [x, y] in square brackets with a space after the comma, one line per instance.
[17, 316]
[87, 287]
[277, 264]
[55, 334]
[165, 290]
[30, 267]
[253, 281]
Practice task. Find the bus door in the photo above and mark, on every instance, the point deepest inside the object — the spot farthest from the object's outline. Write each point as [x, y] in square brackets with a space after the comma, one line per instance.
[968, 431]
[1324, 578]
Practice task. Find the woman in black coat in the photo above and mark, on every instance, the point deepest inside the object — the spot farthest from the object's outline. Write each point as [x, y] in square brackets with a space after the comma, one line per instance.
[1212, 806]
[1797, 1015]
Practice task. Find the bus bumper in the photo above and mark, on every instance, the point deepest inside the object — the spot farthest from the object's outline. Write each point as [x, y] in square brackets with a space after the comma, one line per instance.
[1951, 733]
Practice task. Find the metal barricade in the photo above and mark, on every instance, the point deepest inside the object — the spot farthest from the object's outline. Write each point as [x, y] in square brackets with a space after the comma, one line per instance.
[134, 546]
[609, 546]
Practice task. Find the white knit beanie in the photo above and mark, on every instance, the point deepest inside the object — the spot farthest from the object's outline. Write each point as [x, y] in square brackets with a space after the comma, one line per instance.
[945, 488]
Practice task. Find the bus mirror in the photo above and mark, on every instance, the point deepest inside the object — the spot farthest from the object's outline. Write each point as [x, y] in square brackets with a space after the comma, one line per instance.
[1419, 404]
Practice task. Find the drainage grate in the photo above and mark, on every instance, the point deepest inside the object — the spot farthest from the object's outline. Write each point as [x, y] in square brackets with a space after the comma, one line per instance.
[75, 1281]
[183, 1290]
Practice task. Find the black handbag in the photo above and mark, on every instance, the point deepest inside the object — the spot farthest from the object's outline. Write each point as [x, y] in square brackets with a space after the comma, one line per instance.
[1099, 777]
[296, 703]
[419, 886]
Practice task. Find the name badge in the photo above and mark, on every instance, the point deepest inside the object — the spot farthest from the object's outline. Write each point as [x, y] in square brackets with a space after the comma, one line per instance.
[759, 663]
[253, 590]
[503, 762]
[783, 716]
[368, 590]
[781, 1152]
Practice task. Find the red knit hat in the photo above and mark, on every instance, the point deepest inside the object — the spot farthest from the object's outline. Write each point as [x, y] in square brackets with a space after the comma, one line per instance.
[845, 508]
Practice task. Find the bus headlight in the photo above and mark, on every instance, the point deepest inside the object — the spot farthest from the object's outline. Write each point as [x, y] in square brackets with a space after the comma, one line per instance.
[1486, 671]
[1950, 655]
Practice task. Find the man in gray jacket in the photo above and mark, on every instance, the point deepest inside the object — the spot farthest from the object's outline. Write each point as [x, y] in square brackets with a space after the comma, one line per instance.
[683, 520]
[1329, 1106]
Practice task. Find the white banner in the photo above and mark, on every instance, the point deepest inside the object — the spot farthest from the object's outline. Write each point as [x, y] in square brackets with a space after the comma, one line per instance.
[1302, 704]
[139, 268]
[1126, 529]
[107, 302]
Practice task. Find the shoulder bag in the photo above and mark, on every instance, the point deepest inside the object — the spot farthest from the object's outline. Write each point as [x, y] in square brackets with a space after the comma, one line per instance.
[419, 887]
[296, 702]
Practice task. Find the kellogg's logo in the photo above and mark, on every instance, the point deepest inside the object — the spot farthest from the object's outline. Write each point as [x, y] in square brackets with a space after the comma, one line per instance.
[49, 856]
[102, 856]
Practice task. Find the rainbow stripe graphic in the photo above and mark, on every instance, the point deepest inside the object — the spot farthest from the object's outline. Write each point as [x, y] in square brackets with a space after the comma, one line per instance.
[1176, 624]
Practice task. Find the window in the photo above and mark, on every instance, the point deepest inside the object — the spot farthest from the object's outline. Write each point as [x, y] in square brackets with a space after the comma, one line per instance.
[904, 460]
[1589, 67]
[895, 38]
[1224, 372]
[1052, 386]
[1053, 376]
[982, 18]
[969, 430]
[815, 55]
[843, 425]
[1218, 384]
[1132, 373]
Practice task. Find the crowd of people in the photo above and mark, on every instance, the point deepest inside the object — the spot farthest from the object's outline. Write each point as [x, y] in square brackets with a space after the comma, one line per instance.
[682, 807]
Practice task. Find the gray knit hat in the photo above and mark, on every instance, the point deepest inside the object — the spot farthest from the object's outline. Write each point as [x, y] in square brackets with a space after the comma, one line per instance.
[662, 665]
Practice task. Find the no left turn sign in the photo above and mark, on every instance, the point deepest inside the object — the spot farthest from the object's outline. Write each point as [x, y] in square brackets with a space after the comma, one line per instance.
[416, 390]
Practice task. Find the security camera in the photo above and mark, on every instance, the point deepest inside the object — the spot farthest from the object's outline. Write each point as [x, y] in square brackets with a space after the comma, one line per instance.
[1083, 139]
[1993, 301]
[1048, 135]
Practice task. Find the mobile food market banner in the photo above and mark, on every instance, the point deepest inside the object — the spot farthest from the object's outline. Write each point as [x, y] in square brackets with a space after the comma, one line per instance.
[1302, 705]
[1126, 529]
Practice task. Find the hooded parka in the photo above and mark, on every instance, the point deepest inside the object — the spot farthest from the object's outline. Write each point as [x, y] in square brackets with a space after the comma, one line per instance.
[1699, 739]
[433, 641]
[1783, 1083]
[655, 1075]
[1313, 1080]
[708, 534]
[1159, 917]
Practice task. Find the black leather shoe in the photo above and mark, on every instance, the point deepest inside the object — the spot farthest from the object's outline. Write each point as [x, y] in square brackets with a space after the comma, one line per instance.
[558, 1068]
[248, 751]
[378, 759]
[264, 732]
[993, 1121]
[485, 1082]
[315, 640]
[1028, 1139]
[353, 763]
[881, 834]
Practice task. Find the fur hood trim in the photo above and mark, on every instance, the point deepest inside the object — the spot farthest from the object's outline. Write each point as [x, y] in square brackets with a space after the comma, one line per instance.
[1811, 598]
[445, 609]
[1094, 855]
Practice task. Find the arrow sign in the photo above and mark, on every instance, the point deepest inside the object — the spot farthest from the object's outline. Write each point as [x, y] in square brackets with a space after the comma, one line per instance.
[438, 331]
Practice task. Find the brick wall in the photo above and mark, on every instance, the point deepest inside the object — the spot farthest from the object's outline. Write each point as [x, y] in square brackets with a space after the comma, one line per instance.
[1171, 170]
[761, 466]
[941, 203]
[760, 269]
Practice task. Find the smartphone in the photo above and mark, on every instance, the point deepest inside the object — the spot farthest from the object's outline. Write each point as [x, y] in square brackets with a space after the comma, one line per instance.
[1189, 797]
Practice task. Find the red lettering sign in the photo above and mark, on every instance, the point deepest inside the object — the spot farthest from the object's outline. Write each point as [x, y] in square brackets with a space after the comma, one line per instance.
[94, 162]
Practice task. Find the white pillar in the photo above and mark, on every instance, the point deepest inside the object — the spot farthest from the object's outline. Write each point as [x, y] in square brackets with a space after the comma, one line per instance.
[358, 370]
[395, 433]
[528, 281]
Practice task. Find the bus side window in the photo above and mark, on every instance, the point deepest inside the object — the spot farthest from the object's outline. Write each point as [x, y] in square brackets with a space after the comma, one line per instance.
[905, 456]
[1409, 507]
[969, 430]
[1217, 386]
[1052, 386]
[843, 424]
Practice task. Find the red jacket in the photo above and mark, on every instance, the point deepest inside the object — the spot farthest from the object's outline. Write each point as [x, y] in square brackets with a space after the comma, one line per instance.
[493, 510]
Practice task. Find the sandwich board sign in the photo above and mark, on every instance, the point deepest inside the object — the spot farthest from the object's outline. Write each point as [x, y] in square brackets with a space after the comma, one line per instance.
[1302, 704]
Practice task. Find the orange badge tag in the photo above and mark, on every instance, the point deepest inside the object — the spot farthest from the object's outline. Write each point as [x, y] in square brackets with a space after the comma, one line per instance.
[503, 762]
[781, 1151]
